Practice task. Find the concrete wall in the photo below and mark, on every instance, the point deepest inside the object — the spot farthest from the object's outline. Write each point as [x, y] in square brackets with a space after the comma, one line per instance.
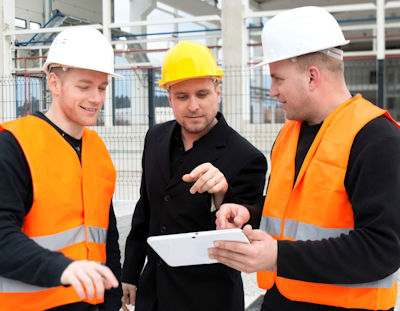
[32, 10]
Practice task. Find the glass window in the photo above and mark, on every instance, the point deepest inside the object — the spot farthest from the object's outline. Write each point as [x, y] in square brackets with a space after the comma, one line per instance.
[34, 25]
[20, 23]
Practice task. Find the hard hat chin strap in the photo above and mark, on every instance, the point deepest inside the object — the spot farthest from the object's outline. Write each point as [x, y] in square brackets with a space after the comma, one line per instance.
[333, 52]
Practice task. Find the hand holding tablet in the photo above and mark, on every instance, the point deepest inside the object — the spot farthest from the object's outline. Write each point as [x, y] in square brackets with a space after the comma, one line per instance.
[185, 249]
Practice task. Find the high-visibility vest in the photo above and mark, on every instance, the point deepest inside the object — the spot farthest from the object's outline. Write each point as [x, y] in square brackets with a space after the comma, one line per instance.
[318, 207]
[70, 209]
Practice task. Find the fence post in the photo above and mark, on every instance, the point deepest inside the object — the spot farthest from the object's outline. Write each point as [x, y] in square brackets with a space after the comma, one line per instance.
[150, 80]
[381, 82]
[380, 35]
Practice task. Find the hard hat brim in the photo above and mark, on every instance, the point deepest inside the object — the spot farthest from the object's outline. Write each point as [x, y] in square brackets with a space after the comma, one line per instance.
[166, 85]
[277, 59]
[47, 65]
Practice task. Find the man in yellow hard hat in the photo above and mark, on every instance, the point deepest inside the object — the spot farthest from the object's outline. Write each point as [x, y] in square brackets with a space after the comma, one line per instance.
[58, 235]
[190, 166]
[330, 228]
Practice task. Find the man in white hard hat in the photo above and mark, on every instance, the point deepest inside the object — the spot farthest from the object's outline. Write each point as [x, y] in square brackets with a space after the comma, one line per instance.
[330, 228]
[58, 235]
[190, 166]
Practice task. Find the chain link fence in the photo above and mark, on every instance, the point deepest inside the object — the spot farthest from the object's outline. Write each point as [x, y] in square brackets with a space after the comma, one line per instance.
[135, 103]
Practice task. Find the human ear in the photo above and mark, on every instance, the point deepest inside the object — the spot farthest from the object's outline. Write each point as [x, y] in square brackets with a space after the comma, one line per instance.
[169, 99]
[54, 83]
[218, 91]
[314, 76]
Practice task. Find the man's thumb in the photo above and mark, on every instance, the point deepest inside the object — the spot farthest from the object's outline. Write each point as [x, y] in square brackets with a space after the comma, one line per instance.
[253, 235]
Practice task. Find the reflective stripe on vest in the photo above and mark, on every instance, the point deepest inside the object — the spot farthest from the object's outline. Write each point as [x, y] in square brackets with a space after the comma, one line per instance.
[301, 231]
[297, 230]
[55, 242]
[13, 286]
[387, 282]
[70, 237]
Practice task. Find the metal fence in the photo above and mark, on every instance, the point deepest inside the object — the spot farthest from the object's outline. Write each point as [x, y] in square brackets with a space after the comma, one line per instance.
[136, 103]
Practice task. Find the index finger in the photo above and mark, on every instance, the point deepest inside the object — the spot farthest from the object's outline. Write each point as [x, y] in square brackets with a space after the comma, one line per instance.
[97, 282]
[198, 171]
[76, 284]
[107, 274]
[222, 218]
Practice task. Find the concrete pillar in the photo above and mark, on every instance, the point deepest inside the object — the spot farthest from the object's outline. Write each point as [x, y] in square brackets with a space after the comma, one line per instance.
[7, 83]
[139, 9]
[259, 83]
[47, 8]
[108, 108]
[236, 90]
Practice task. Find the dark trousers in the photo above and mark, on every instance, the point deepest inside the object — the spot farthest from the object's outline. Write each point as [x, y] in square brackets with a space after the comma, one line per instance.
[79, 306]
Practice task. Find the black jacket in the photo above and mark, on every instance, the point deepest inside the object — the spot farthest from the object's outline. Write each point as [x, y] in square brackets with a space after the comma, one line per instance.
[166, 206]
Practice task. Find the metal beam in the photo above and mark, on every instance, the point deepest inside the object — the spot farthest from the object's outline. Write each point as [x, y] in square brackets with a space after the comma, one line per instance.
[203, 18]
[192, 7]
[331, 8]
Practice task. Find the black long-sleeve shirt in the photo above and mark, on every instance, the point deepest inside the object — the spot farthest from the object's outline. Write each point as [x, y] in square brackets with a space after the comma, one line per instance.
[372, 250]
[21, 258]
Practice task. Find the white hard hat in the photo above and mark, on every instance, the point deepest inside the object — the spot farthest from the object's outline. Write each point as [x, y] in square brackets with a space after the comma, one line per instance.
[301, 31]
[81, 47]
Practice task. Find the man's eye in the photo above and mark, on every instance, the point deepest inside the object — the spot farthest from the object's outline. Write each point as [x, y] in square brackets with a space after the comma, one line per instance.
[202, 95]
[181, 97]
[82, 87]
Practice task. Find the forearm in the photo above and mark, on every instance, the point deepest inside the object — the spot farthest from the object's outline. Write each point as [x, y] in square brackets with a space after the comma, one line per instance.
[135, 255]
[112, 297]
[255, 211]
[246, 188]
[23, 260]
[136, 245]
[247, 184]
[355, 258]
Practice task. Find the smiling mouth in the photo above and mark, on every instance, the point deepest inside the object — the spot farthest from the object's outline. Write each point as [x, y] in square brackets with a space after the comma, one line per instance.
[89, 109]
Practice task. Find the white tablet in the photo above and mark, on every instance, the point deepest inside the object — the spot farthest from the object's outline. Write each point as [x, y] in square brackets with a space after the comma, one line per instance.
[185, 249]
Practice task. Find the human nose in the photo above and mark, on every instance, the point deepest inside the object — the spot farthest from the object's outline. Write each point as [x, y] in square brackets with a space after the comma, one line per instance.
[193, 104]
[97, 96]
[273, 91]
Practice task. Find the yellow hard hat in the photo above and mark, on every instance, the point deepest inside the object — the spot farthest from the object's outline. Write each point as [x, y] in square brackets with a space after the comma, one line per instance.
[188, 60]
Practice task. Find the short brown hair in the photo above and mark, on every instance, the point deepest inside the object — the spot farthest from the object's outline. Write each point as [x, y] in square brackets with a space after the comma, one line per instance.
[58, 71]
[319, 59]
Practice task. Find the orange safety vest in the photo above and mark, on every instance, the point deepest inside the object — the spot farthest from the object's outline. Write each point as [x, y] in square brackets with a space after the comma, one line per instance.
[317, 207]
[70, 209]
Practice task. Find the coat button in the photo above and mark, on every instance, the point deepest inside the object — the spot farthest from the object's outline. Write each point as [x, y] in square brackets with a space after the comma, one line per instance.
[163, 229]
[167, 198]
